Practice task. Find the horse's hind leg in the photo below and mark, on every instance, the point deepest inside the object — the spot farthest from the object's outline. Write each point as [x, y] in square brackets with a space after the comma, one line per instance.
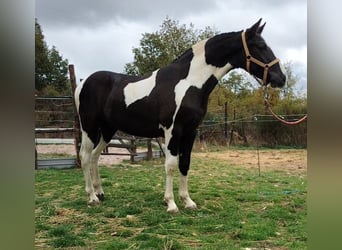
[170, 166]
[87, 147]
[95, 155]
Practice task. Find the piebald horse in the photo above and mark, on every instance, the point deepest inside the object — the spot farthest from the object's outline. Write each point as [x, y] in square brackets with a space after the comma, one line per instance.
[170, 102]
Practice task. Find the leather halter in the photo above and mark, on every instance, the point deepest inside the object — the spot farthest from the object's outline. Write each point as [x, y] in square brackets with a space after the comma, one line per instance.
[250, 58]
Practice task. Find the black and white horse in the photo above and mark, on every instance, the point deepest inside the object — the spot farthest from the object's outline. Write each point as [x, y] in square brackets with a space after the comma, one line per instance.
[170, 102]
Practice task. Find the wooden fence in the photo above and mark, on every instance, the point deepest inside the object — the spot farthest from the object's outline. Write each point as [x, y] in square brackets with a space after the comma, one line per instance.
[119, 141]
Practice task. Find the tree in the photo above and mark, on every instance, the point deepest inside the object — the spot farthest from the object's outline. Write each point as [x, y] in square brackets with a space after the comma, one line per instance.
[160, 48]
[288, 90]
[50, 67]
[58, 70]
[41, 58]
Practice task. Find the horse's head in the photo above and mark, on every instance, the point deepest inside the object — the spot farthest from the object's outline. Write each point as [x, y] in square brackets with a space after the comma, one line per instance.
[258, 58]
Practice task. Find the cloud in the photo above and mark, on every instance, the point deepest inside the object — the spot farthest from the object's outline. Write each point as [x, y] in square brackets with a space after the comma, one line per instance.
[106, 48]
[101, 34]
[90, 14]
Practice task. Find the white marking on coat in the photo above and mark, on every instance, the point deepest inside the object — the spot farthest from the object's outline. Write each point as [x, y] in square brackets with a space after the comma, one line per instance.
[170, 167]
[85, 157]
[135, 91]
[77, 95]
[199, 73]
[184, 194]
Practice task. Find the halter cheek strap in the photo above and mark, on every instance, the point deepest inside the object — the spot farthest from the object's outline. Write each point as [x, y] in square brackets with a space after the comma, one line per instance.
[250, 58]
[266, 67]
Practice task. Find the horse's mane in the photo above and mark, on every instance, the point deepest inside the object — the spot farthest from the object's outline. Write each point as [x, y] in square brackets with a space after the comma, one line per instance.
[189, 51]
[183, 56]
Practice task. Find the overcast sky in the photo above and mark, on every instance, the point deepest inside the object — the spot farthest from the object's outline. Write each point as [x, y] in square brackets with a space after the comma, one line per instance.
[100, 35]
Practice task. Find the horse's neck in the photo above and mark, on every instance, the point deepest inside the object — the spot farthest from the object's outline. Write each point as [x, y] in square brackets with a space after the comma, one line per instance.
[200, 71]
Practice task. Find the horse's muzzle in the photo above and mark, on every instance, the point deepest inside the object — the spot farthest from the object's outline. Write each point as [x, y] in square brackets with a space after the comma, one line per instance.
[277, 80]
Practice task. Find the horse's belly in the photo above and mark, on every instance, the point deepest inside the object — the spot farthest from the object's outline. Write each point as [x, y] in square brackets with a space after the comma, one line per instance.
[143, 131]
[140, 125]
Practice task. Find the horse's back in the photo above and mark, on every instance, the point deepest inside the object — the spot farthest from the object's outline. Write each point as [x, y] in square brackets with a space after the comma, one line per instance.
[99, 86]
[102, 82]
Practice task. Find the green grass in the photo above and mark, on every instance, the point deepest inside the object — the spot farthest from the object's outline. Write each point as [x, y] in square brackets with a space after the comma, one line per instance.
[237, 209]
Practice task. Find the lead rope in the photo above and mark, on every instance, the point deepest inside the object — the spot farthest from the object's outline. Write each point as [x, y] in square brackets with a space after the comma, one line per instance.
[269, 108]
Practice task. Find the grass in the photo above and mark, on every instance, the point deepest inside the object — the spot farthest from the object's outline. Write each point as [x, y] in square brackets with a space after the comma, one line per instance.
[237, 209]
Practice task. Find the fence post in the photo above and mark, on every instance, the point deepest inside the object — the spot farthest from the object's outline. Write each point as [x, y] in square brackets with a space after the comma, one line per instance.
[77, 130]
[231, 140]
[149, 150]
[225, 121]
[35, 157]
[133, 148]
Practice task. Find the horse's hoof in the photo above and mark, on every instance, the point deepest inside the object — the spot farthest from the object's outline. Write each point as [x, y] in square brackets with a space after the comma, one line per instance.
[100, 196]
[173, 210]
[94, 202]
[191, 206]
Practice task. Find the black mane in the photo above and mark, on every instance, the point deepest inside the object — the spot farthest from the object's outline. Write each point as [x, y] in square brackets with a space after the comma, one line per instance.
[186, 56]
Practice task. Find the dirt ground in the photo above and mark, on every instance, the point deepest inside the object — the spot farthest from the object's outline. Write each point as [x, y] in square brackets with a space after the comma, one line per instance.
[70, 149]
[291, 160]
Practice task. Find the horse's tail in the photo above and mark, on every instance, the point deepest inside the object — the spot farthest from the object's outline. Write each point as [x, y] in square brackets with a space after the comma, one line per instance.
[77, 95]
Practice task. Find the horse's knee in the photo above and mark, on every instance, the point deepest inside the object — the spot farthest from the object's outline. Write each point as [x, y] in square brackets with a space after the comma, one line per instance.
[170, 164]
[184, 170]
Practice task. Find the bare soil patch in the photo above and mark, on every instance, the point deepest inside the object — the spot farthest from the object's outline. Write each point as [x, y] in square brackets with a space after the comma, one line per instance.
[291, 160]
[70, 150]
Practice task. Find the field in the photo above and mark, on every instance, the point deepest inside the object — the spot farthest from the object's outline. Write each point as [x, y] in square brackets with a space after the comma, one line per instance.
[237, 208]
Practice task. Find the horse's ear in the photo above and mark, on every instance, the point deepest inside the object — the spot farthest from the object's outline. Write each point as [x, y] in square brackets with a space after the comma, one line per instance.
[261, 28]
[255, 28]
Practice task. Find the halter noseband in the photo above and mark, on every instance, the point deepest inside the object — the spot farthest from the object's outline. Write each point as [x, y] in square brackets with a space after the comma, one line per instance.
[250, 58]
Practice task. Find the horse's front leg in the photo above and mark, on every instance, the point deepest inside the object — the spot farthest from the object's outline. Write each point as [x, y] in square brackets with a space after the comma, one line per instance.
[184, 165]
[184, 194]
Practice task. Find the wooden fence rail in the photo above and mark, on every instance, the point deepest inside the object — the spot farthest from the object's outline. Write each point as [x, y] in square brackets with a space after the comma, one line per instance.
[127, 142]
